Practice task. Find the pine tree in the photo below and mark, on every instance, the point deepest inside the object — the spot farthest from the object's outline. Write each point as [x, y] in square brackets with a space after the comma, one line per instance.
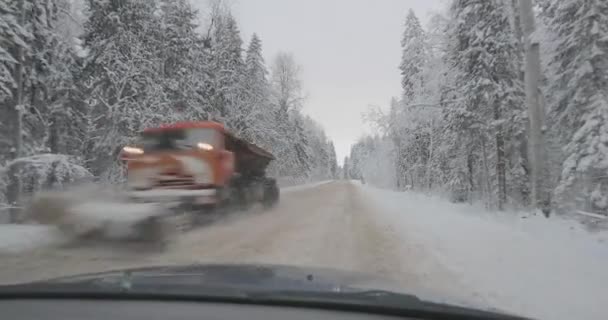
[300, 143]
[52, 66]
[580, 107]
[14, 42]
[346, 169]
[121, 77]
[413, 56]
[258, 117]
[36, 79]
[228, 70]
[333, 160]
[183, 60]
[483, 56]
[12, 34]
[256, 68]
[411, 117]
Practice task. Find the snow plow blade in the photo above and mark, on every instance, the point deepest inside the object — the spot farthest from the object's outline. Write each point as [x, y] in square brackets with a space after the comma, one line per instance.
[100, 215]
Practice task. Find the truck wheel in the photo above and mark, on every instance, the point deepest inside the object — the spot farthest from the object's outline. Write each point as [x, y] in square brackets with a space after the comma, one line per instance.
[271, 193]
[238, 195]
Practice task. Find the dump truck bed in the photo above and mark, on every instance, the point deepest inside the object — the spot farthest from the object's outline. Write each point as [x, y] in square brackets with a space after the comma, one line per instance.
[250, 159]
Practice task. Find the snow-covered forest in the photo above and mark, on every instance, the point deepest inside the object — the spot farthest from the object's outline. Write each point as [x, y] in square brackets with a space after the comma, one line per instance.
[504, 102]
[79, 79]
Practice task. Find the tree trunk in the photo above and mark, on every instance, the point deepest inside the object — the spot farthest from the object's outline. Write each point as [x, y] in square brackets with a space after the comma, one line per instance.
[540, 190]
[470, 178]
[486, 175]
[14, 188]
[430, 157]
[500, 158]
[53, 141]
[500, 170]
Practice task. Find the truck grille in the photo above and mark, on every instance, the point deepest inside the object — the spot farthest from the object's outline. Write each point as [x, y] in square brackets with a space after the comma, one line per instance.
[175, 182]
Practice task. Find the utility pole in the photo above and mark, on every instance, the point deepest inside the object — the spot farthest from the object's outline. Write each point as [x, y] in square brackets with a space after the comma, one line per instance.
[536, 145]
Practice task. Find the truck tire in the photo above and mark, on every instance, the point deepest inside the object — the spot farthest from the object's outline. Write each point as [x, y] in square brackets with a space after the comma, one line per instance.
[271, 193]
[238, 199]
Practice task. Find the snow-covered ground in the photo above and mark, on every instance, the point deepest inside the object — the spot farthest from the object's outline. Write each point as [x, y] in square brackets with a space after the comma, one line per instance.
[545, 268]
[549, 269]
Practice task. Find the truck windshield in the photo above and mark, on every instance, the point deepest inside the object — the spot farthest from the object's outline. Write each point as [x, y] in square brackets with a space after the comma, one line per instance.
[177, 139]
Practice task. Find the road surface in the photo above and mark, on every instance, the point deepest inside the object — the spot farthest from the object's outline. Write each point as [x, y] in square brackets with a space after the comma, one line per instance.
[546, 269]
[326, 225]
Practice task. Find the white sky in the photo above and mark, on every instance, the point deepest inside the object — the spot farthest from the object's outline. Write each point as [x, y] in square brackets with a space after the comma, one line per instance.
[349, 51]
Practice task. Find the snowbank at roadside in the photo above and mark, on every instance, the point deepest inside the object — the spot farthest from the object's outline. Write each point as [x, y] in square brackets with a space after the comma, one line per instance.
[538, 267]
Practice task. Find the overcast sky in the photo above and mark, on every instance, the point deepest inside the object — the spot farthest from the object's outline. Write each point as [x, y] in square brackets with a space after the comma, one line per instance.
[349, 51]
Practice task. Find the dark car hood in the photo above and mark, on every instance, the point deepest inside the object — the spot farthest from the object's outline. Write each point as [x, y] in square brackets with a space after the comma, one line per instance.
[248, 283]
[243, 276]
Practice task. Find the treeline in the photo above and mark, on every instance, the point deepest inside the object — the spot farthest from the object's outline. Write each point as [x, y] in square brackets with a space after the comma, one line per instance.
[80, 79]
[462, 126]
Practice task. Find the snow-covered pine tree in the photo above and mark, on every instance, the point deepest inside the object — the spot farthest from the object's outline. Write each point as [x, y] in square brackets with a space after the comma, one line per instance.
[579, 109]
[483, 58]
[51, 69]
[14, 41]
[120, 77]
[319, 153]
[333, 161]
[302, 157]
[412, 120]
[413, 56]
[43, 62]
[259, 116]
[11, 35]
[345, 169]
[183, 59]
[227, 93]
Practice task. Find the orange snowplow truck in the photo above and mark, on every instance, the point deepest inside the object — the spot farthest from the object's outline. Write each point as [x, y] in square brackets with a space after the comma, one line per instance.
[198, 163]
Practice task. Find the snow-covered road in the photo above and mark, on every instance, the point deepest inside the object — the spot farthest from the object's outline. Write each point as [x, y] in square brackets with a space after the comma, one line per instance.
[324, 225]
[346, 226]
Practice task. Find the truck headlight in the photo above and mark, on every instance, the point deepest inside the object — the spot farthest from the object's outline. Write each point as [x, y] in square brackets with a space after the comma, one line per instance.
[204, 146]
[132, 150]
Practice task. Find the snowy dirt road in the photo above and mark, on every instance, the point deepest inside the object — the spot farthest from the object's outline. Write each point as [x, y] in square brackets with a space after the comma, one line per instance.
[326, 225]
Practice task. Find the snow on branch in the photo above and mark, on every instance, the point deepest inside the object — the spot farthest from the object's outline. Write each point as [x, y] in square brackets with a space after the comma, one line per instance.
[45, 171]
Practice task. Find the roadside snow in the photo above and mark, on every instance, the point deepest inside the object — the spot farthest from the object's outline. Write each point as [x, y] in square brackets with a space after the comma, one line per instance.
[544, 268]
[304, 186]
[20, 237]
